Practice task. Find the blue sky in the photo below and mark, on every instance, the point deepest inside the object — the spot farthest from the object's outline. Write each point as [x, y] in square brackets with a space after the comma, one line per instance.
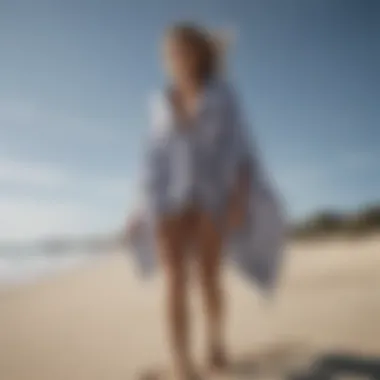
[76, 75]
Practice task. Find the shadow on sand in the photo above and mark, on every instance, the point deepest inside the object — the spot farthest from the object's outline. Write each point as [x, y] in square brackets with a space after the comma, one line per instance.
[332, 366]
[291, 362]
[297, 362]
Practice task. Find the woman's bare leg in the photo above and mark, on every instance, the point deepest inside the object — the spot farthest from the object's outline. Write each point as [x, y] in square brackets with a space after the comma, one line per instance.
[210, 261]
[172, 244]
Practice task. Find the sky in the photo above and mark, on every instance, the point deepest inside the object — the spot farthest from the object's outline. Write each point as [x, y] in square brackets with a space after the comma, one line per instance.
[76, 76]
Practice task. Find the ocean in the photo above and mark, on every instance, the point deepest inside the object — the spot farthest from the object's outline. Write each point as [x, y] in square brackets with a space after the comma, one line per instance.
[18, 269]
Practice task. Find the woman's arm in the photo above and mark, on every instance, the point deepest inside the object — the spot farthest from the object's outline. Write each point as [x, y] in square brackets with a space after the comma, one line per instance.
[239, 163]
[238, 198]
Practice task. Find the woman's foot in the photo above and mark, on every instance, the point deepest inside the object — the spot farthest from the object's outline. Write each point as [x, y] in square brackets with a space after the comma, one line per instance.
[217, 359]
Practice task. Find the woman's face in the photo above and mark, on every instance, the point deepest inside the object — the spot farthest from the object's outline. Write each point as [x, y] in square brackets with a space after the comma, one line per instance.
[181, 61]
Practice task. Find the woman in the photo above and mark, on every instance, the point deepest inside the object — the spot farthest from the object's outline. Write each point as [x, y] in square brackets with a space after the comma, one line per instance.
[200, 174]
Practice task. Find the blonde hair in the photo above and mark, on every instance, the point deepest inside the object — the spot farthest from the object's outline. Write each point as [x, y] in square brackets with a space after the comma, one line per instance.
[209, 47]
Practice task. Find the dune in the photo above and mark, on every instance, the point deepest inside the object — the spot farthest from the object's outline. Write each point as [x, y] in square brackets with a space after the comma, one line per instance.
[101, 321]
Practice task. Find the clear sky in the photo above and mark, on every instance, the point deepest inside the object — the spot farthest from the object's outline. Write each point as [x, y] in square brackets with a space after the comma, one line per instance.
[75, 76]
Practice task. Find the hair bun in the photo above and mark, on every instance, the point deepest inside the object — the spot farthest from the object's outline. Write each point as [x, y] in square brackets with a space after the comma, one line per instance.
[223, 39]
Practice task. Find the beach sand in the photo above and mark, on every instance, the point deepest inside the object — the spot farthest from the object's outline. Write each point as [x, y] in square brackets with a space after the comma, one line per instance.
[101, 322]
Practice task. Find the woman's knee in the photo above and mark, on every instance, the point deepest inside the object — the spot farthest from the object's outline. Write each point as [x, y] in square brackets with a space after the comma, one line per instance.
[171, 249]
[209, 243]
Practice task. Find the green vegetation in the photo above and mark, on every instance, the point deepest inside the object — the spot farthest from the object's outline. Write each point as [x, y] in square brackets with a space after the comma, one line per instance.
[329, 223]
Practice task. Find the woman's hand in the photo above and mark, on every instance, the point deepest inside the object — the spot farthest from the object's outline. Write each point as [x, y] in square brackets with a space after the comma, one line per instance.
[238, 205]
[132, 227]
[236, 213]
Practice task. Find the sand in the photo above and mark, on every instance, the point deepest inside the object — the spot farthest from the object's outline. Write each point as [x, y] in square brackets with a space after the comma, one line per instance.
[101, 322]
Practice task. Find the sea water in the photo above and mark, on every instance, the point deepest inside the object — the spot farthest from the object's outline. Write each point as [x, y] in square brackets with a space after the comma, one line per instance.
[18, 268]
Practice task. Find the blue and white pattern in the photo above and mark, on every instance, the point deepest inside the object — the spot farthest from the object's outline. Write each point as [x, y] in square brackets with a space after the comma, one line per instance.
[200, 164]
